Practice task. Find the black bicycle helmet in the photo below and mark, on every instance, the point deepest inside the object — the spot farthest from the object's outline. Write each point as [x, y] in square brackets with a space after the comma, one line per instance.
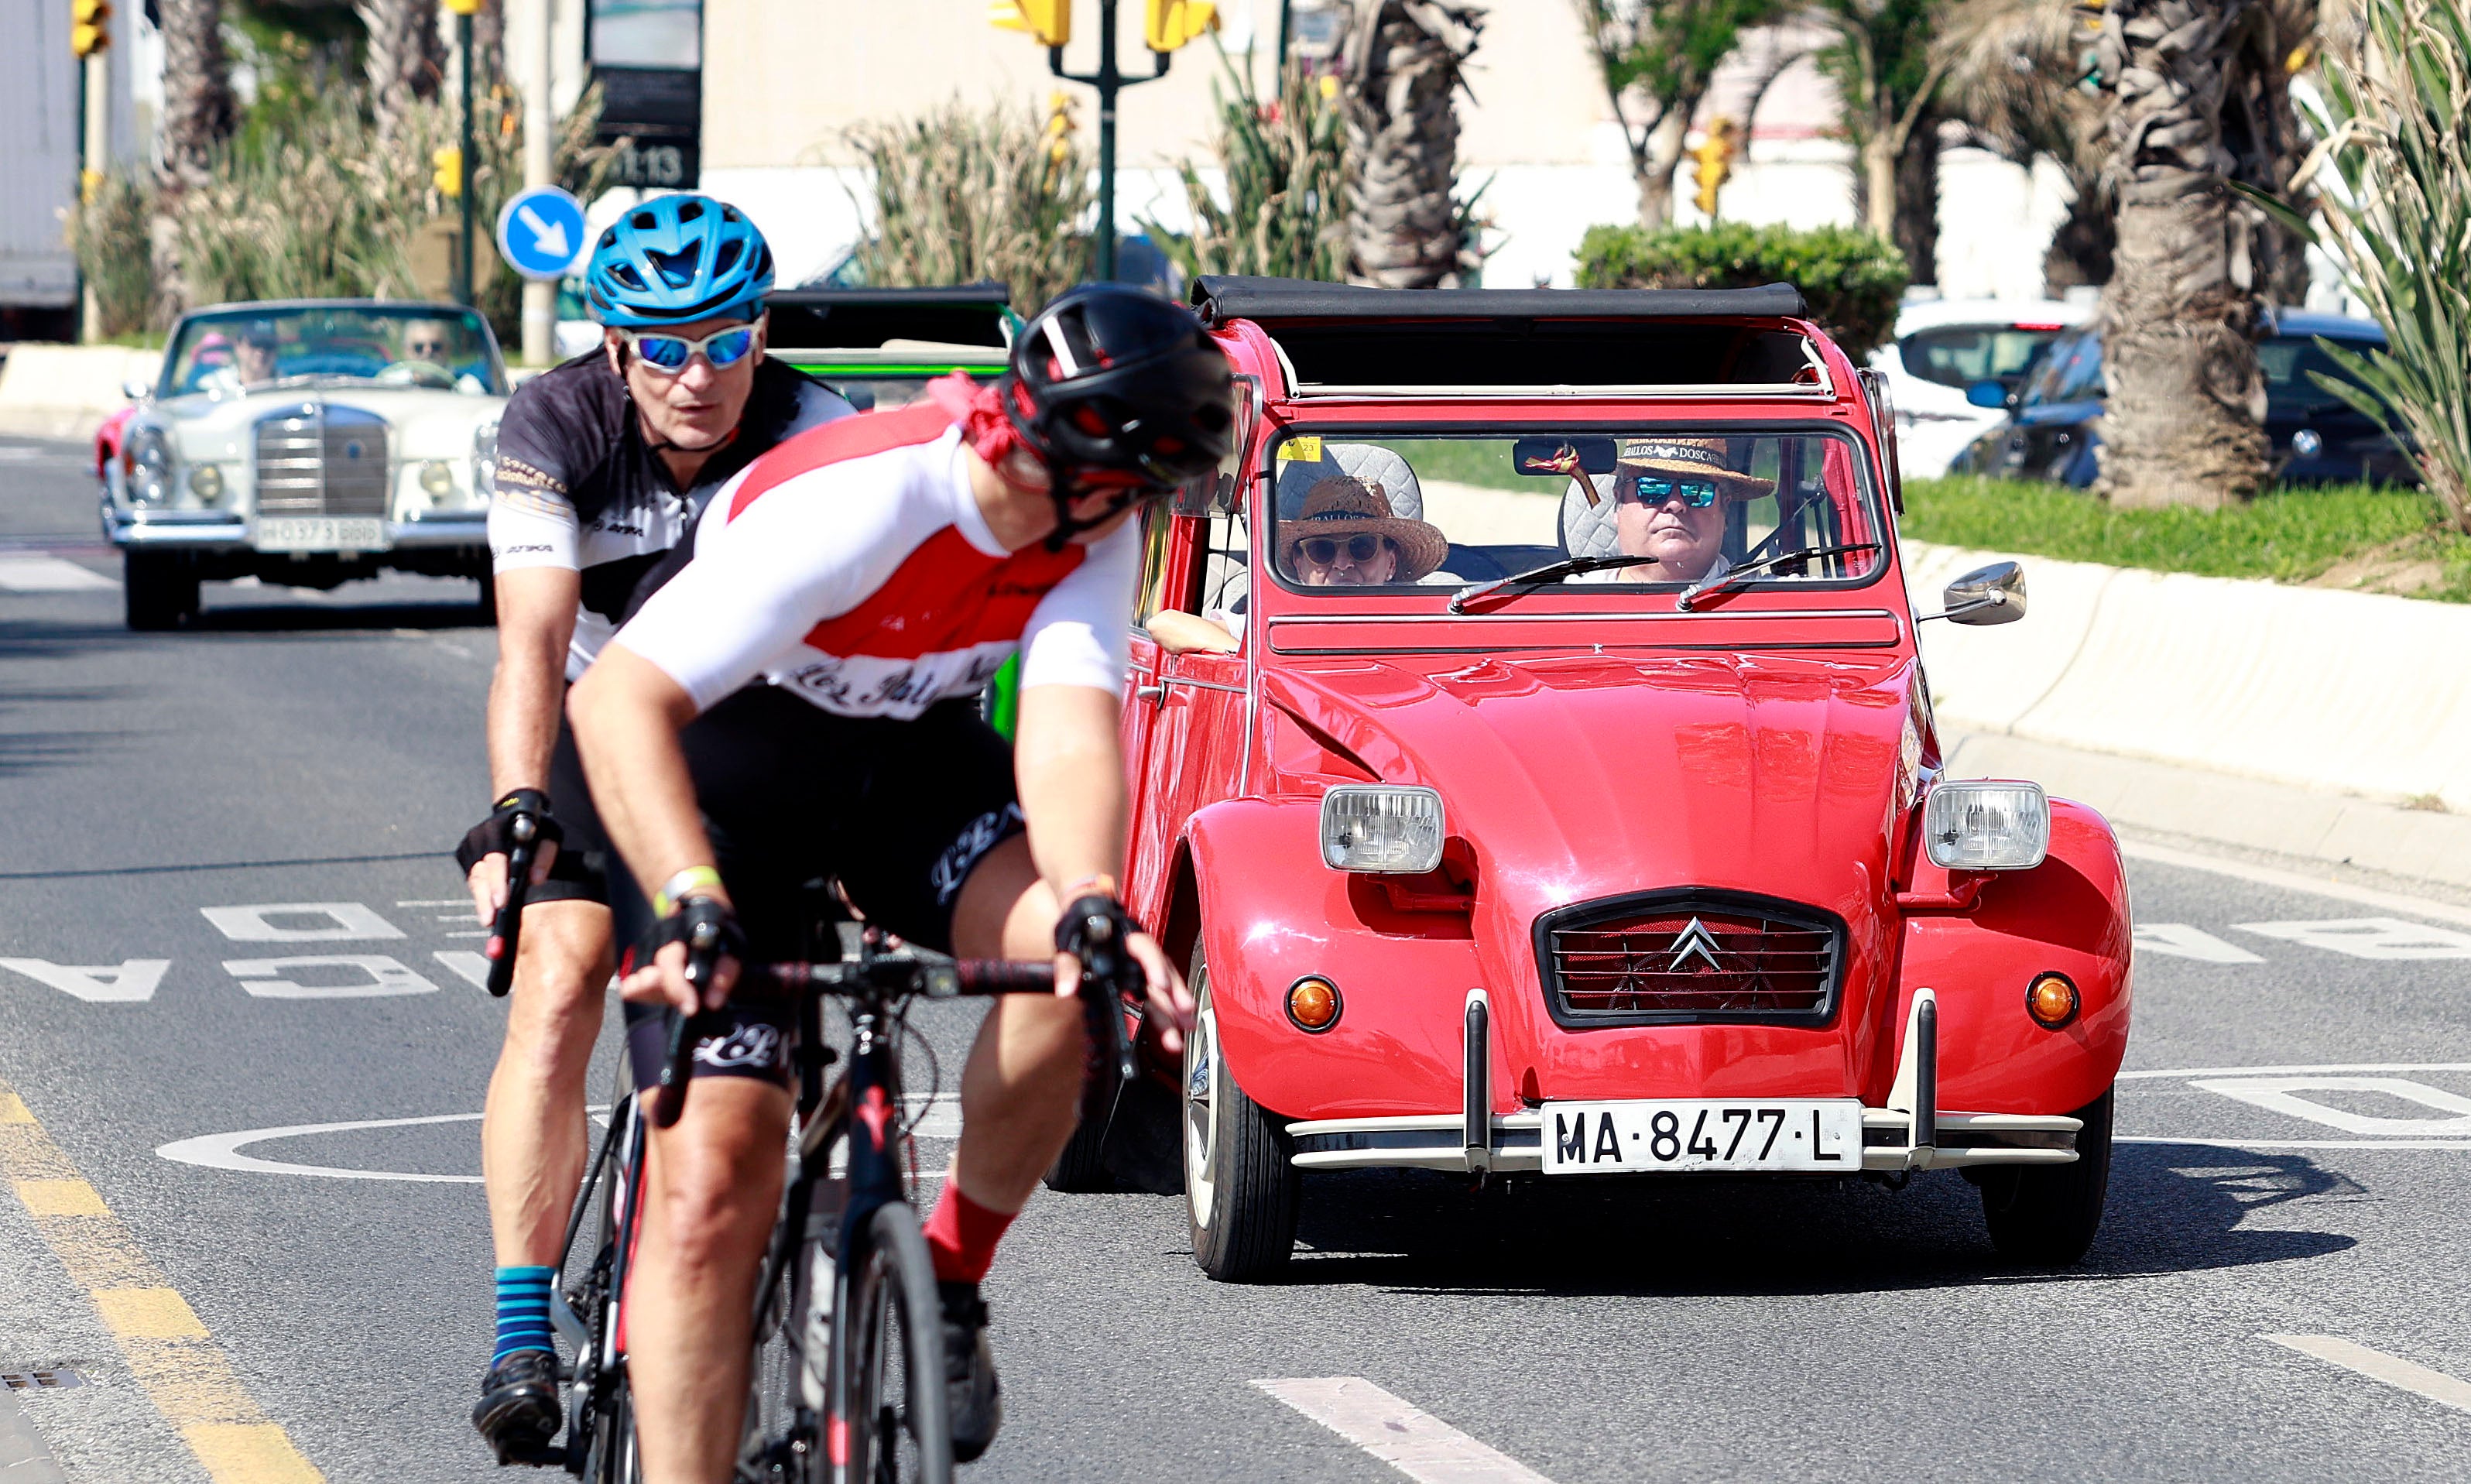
[1110, 377]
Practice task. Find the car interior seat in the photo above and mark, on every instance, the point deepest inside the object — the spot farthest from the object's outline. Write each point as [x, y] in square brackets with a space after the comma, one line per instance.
[1587, 528]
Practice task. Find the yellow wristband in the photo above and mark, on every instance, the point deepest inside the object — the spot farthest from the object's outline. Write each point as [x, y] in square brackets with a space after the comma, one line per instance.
[1097, 882]
[666, 900]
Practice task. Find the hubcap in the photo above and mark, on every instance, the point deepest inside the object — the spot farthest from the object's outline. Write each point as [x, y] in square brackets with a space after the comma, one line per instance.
[1200, 1115]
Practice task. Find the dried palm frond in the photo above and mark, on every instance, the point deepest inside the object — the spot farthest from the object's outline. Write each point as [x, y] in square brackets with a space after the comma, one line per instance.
[961, 194]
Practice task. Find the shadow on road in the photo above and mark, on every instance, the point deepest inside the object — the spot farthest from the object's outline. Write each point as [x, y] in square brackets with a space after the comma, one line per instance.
[2171, 1209]
[279, 617]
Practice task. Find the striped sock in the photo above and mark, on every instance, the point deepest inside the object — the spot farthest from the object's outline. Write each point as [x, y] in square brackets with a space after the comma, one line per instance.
[522, 1310]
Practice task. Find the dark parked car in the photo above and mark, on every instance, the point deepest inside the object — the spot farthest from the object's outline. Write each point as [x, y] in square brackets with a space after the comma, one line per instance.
[2314, 437]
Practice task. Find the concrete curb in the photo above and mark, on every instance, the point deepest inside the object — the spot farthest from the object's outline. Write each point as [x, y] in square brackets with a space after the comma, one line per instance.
[65, 391]
[2309, 722]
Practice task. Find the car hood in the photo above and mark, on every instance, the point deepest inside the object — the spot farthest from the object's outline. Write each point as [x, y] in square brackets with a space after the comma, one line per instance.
[426, 423]
[1582, 775]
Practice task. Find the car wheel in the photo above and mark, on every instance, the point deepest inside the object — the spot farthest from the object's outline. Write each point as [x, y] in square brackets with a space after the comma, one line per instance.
[158, 589]
[1241, 1182]
[2047, 1215]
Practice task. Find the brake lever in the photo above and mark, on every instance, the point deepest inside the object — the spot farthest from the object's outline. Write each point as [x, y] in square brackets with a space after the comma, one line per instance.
[506, 930]
[677, 1066]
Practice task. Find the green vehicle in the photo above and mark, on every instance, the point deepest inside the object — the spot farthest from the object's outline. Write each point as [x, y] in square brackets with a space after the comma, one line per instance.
[878, 347]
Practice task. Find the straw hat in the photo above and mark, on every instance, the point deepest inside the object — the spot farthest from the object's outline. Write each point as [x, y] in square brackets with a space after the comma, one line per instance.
[1687, 458]
[1341, 506]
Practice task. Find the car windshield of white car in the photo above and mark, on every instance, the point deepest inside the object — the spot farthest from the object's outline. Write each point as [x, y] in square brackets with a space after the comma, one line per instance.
[1656, 507]
[440, 348]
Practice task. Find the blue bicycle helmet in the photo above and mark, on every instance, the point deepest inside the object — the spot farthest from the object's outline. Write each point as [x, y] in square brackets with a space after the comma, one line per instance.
[677, 259]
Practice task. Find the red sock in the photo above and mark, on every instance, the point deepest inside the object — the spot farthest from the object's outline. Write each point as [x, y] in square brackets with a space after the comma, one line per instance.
[962, 1235]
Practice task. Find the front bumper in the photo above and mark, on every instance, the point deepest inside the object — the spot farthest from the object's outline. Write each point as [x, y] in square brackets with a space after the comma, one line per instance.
[217, 530]
[1910, 1133]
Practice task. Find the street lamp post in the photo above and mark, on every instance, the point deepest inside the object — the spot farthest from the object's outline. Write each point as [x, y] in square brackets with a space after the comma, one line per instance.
[463, 10]
[1109, 79]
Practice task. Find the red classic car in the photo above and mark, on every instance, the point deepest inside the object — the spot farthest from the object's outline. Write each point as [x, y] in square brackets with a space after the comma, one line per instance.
[1533, 762]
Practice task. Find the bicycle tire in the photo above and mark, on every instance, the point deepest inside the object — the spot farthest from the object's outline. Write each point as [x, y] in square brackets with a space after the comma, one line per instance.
[888, 1312]
[792, 1366]
[610, 1454]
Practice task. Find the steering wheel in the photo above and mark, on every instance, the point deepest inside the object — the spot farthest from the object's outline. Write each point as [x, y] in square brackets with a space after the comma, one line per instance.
[417, 373]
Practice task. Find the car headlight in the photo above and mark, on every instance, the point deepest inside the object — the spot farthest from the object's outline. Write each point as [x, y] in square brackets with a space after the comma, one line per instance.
[436, 481]
[484, 461]
[147, 463]
[206, 482]
[1984, 826]
[1381, 827]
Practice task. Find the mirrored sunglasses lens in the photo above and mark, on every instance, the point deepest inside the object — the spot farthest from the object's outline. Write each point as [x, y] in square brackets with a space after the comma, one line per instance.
[729, 347]
[663, 352]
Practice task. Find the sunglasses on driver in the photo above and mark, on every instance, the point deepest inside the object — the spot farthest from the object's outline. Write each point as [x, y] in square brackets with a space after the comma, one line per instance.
[1655, 489]
[1322, 550]
[669, 354]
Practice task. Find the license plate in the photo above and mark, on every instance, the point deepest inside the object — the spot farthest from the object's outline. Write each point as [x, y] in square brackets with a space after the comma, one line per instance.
[1693, 1136]
[321, 533]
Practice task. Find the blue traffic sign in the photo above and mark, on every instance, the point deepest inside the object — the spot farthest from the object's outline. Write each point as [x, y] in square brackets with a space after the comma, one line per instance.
[540, 232]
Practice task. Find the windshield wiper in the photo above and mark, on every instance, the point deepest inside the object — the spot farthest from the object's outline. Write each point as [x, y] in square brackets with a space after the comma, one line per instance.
[1538, 576]
[1751, 569]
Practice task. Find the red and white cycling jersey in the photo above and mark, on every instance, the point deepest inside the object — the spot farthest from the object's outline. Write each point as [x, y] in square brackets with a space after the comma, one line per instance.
[852, 566]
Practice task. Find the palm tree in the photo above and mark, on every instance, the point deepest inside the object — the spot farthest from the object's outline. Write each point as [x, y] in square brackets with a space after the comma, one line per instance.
[406, 59]
[1888, 75]
[1657, 58]
[2017, 74]
[2183, 424]
[1405, 230]
[198, 115]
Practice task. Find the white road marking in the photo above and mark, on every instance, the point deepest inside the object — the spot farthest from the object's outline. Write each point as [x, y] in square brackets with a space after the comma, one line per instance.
[2388, 939]
[1408, 1438]
[2294, 881]
[2181, 941]
[461, 902]
[471, 966]
[2280, 1095]
[49, 574]
[2298, 1144]
[132, 983]
[386, 976]
[347, 918]
[2290, 1071]
[2376, 1365]
[221, 1151]
[477, 932]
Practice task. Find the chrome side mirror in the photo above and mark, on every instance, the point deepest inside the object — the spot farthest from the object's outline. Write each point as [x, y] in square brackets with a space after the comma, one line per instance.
[135, 390]
[1986, 595]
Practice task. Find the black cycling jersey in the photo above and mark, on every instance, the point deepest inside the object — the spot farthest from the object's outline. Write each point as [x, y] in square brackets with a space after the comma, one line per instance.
[579, 487]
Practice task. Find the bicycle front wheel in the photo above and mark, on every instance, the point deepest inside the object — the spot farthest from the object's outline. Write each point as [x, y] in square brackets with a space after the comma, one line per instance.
[889, 1354]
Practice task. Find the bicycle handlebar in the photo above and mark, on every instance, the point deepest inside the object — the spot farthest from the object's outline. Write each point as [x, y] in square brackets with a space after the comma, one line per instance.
[870, 977]
[506, 929]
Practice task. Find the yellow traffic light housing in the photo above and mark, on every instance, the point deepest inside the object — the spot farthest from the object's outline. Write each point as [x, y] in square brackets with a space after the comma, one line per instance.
[89, 26]
[1715, 156]
[1168, 24]
[448, 175]
[1051, 21]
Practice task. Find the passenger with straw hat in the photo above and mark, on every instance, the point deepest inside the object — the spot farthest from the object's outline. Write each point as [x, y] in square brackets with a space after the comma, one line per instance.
[1344, 536]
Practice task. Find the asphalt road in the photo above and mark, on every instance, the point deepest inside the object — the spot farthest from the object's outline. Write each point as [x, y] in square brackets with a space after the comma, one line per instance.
[306, 749]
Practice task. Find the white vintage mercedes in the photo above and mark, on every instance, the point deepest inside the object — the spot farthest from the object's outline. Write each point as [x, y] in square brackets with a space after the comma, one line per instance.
[306, 443]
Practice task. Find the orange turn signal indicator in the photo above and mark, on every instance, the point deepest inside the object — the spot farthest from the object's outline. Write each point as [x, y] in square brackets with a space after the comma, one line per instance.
[2051, 999]
[1313, 1003]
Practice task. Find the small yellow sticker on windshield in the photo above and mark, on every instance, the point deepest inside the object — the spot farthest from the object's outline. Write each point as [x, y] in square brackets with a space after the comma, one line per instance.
[1306, 447]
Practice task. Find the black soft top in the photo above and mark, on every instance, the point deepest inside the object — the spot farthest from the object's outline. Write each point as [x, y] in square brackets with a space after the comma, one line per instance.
[1270, 301]
[970, 314]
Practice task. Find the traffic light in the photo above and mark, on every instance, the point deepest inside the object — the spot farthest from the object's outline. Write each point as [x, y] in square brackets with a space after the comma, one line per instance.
[1051, 21]
[1715, 157]
[89, 26]
[1167, 24]
[448, 175]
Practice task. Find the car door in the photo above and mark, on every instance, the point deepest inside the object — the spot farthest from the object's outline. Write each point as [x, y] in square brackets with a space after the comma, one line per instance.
[1168, 560]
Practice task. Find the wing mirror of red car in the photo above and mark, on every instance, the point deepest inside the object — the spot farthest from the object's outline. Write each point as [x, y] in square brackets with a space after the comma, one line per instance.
[1986, 595]
[135, 390]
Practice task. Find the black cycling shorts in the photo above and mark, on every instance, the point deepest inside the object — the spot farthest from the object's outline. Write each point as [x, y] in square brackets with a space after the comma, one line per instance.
[580, 872]
[900, 811]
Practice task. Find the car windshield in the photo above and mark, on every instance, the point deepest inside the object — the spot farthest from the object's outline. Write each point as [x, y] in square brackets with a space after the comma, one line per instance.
[2071, 371]
[1962, 354]
[2290, 389]
[442, 347]
[1663, 507]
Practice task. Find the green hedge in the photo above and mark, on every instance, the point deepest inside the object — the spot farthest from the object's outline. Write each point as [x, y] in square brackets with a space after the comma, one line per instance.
[1852, 278]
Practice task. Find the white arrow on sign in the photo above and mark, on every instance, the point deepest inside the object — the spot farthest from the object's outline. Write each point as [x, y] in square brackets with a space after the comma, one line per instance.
[549, 236]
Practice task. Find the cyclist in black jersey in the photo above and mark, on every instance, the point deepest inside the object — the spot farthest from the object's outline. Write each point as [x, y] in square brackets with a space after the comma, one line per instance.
[603, 465]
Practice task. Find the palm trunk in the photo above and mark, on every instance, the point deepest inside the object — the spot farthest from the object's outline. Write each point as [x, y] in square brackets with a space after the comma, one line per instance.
[407, 57]
[2081, 249]
[1916, 228]
[199, 116]
[2183, 418]
[1402, 128]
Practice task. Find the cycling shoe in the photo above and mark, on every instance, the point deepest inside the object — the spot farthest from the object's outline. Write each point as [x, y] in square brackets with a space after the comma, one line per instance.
[518, 1411]
[974, 1396]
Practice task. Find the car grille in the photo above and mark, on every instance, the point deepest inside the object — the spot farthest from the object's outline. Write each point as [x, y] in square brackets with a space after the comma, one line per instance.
[1679, 959]
[321, 461]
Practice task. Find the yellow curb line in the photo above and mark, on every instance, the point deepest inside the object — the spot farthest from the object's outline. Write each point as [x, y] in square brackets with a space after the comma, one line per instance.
[185, 1373]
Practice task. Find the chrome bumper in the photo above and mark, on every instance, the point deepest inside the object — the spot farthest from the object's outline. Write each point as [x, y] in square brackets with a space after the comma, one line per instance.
[194, 531]
[1911, 1133]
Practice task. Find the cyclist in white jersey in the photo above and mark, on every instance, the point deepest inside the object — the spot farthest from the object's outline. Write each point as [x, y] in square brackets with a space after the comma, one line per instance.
[794, 704]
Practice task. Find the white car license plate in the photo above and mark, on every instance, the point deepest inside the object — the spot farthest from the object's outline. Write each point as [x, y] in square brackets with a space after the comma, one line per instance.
[321, 533]
[1694, 1136]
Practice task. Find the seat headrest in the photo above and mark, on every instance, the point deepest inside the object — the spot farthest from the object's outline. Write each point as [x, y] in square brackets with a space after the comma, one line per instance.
[1587, 529]
[1365, 462]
